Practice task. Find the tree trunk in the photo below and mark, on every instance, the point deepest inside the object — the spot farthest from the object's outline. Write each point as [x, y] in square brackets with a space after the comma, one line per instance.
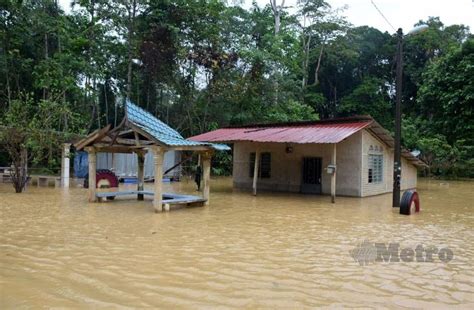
[318, 66]
[19, 174]
[131, 20]
[106, 103]
[305, 60]
[46, 57]
[277, 14]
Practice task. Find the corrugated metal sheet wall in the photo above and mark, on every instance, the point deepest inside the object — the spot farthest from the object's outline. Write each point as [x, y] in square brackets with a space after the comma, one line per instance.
[125, 165]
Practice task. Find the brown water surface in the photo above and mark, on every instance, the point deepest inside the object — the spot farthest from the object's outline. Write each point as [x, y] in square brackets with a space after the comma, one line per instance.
[271, 251]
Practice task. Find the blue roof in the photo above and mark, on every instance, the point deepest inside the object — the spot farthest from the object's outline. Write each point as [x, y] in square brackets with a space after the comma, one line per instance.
[161, 131]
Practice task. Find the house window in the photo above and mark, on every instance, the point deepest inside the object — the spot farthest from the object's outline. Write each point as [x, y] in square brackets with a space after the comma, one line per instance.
[265, 165]
[375, 168]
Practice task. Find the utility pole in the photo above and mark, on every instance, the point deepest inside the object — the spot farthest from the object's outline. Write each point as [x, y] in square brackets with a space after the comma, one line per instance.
[397, 165]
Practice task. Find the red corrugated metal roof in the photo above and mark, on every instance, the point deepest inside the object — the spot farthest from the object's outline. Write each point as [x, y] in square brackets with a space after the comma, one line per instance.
[316, 132]
[324, 131]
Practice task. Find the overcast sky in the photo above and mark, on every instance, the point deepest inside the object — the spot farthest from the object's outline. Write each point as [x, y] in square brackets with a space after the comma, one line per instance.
[400, 13]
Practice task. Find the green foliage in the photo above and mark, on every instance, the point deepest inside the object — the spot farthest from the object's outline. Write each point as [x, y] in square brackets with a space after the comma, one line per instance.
[292, 111]
[371, 98]
[222, 164]
[446, 159]
[446, 96]
[203, 64]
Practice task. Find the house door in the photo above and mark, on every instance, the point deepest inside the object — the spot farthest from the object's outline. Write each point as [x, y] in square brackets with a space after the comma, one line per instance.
[311, 183]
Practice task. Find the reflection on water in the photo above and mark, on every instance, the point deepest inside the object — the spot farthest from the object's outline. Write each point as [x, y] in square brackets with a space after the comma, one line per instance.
[274, 250]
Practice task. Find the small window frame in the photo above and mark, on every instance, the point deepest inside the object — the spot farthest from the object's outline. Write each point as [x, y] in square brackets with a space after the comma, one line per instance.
[375, 169]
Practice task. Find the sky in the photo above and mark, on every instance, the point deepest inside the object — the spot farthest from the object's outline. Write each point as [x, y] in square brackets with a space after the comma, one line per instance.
[400, 13]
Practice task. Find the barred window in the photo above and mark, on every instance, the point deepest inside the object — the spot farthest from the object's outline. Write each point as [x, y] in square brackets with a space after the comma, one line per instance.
[375, 168]
[264, 167]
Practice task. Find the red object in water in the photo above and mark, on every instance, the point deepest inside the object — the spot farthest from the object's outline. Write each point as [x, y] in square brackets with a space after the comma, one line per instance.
[330, 131]
[410, 203]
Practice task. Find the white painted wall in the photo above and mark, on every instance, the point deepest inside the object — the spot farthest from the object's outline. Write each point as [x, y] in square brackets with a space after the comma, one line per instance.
[409, 172]
[352, 166]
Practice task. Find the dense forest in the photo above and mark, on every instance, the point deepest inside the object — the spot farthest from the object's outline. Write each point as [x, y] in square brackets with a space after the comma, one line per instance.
[202, 64]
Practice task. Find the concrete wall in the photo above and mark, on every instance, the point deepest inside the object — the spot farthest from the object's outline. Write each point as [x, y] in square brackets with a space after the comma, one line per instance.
[286, 168]
[352, 166]
[371, 145]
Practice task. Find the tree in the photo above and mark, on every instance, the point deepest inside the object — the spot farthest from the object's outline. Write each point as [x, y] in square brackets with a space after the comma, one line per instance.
[29, 133]
[446, 96]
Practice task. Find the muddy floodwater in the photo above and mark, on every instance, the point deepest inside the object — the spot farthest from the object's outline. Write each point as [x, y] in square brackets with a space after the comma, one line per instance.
[271, 251]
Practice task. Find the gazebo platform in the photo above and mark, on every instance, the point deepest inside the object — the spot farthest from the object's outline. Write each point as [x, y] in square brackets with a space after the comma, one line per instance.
[167, 198]
[140, 132]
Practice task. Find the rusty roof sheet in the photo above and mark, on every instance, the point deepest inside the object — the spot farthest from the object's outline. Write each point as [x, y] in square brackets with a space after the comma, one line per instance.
[324, 131]
[304, 133]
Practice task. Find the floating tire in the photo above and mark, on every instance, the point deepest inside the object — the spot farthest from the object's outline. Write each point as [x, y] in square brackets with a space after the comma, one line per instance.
[104, 179]
[410, 203]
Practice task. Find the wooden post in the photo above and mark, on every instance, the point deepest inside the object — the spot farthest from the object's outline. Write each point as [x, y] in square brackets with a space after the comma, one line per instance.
[206, 175]
[158, 155]
[140, 174]
[333, 176]
[92, 173]
[255, 172]
[65, 165]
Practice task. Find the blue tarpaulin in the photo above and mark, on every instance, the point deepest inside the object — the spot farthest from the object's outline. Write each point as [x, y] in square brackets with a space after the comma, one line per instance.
[81, 165]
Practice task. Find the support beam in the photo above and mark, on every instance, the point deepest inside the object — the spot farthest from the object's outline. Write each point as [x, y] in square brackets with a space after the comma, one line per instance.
[65, 165]
[333, 176]
[92, 173]
[158, 155]
[255, 172]
[206, 175]
[140, 174]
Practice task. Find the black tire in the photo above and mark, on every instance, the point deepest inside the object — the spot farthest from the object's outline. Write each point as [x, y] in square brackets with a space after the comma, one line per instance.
[410, 203]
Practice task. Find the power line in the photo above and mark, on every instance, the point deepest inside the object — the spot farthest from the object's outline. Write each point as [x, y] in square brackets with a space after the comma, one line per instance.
[380, 12]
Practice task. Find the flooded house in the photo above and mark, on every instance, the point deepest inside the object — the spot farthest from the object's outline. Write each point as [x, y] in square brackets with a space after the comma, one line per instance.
[350, 156]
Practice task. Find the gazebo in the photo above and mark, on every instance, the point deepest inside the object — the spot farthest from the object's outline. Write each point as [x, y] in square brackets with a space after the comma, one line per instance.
[141, 132]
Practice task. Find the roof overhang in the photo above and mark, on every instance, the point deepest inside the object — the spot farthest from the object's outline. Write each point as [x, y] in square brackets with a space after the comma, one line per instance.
[315, 132]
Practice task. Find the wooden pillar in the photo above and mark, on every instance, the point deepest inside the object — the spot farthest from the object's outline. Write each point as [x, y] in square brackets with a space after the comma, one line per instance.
[65, 165]
[158, 154]
[333, 176]
[92, 173]
[206, 175]
[140, 174]
[255, 172]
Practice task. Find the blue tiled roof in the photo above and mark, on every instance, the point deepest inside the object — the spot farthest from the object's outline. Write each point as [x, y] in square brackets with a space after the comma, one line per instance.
[161, 131]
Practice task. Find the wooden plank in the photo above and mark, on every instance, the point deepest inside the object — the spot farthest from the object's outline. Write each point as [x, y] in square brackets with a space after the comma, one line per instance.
[115, 148]
[117, 130]
[126, 142]
[96, 135]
